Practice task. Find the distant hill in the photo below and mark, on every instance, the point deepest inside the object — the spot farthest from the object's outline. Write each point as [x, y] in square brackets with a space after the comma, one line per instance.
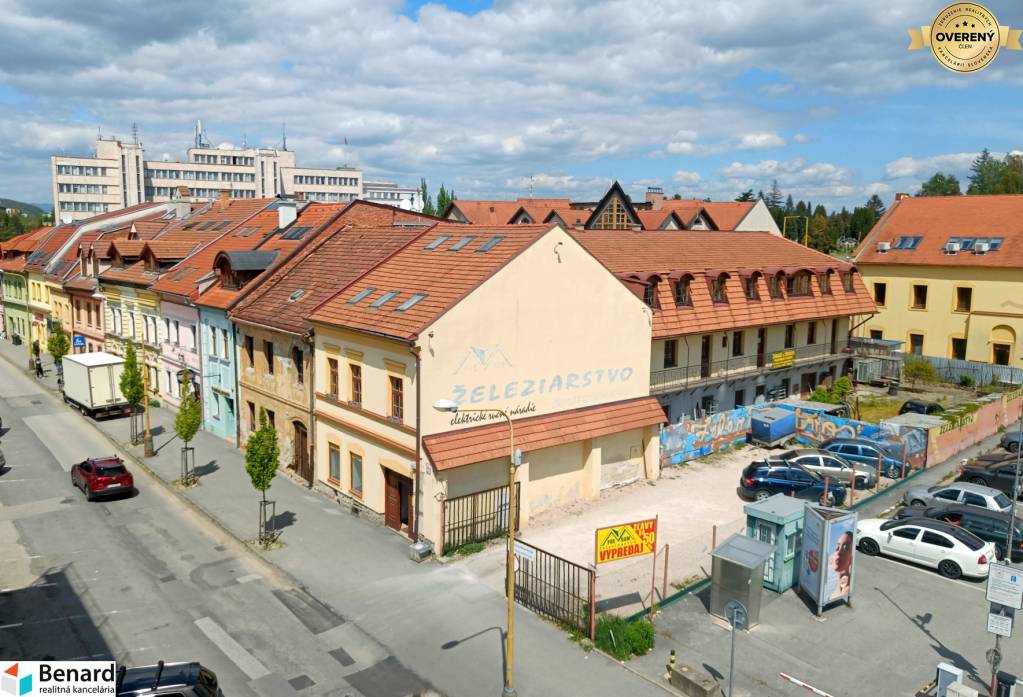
[27, 208]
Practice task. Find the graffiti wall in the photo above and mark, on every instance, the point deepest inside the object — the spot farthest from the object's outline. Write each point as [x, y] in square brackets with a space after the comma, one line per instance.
[814, 427]
[690, 439]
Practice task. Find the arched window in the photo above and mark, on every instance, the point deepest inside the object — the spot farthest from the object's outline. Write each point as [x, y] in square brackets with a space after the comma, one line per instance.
[650, 292]
[824, 281]
[774, 284]
[752, 285]
[798, 284]
[718, 289]
[682, 291]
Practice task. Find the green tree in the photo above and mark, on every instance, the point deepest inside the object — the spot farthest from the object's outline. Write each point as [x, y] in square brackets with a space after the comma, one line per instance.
[985, 174]
[746, 195]
[186, 425]
[58, 345]
[424, 193]
[919, 370]
[774, 198]
[940, 185]
[789, 205]
[877, 205]
[262, 454]
[1012, 175]
[132, 387]
[443, 200]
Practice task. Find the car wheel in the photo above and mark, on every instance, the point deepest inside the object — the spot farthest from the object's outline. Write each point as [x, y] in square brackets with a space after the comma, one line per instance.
[977, 480]
[949, 569]
[1012, 446]
[892, 473]
[828, 500]
[869, 547]
[1000, 551]
[761, 494]
[919, 502]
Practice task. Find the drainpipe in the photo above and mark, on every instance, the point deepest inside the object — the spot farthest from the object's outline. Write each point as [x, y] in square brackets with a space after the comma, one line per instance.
[417, 497]
[311, 382]
[685, 338]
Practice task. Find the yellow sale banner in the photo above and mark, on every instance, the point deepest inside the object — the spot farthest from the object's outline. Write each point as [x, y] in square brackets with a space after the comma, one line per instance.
[624, 541]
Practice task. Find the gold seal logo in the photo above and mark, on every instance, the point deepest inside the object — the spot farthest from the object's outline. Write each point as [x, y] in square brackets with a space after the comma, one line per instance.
[965, 37]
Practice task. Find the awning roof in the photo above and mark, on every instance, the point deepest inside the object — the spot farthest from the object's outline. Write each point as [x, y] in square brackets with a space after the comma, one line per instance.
[468, 445]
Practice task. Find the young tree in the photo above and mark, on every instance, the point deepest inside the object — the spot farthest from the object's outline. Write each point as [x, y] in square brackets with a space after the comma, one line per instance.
[424, 193]
[186, 425]
[875, 203]
[940, 184]
[132, 387]
[58, 345]
[985, 174]
[746, 195]
[1012, 175]
[443, 200]
[261, 456]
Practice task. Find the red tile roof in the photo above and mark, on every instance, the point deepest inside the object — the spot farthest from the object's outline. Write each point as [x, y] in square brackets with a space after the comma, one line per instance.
[68, 264]
[727, 214]
[134, 274]
[667, 255]
[653, 220]
[48, 246]
[501, 212]
[937, 219]
[444, 277]
[478, 443]
[569, 217]
[335, 259]
[148, 229]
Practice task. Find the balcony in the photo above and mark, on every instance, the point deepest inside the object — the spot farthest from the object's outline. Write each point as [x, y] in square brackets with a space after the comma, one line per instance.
[682, 378]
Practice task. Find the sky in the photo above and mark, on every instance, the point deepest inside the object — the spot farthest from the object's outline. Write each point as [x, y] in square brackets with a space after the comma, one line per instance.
[514, 97]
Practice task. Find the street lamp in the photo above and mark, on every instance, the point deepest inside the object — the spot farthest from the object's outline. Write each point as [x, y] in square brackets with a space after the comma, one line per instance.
[451, 406]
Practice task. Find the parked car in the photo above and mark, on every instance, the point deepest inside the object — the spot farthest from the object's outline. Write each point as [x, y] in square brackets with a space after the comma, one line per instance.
[1010, 441]
[102, 476]
[168, 679]
[997, 474]
[990, 526]
[867, 452]
[918, 406]
[950, 549]
[760, 480]
[959, 492]
[829, 465]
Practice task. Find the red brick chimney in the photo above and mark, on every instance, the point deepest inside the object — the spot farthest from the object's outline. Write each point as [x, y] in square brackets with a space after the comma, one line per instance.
[655, 197]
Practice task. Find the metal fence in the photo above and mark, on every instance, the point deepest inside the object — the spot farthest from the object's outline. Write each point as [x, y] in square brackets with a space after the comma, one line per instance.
[478, 517]
[953, 370]
[556, 588]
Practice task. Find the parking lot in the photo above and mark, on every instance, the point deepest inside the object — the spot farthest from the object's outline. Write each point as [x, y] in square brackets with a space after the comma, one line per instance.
[903, 621]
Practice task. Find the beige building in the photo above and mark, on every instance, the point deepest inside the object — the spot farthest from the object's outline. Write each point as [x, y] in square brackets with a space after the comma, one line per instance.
[493, 317]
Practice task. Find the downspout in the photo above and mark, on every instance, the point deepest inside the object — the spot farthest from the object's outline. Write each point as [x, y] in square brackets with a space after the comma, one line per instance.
[685, 338]
[312, 405]
[417, 497]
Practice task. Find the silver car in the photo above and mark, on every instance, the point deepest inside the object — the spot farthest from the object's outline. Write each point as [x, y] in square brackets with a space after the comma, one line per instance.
[827, 464]
[958, 492]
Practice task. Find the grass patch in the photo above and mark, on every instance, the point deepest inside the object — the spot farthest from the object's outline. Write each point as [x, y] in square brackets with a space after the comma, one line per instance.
[686, 582]
[622, 639]
[466, 549]
[876, 409]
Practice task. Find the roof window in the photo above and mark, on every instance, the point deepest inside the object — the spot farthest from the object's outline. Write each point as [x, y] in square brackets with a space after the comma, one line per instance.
[437, 242]
[295, 296]
[362, 294]
[489, 244]
[461, 243]
[223, 225]
[411, 302]
[907, 242]
[379, 302]
[296, 233]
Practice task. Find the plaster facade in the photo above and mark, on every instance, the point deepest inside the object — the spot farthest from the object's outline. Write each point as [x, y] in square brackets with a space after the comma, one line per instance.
[217, 347]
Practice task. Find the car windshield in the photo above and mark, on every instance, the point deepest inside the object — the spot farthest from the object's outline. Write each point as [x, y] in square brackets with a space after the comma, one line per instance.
[966, 537]
[1002, 500]
[110, 470]
[891, 524]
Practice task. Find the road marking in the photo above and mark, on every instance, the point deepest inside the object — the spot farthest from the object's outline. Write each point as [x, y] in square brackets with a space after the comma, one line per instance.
[231, 648]
[248, 578]
[18, 624]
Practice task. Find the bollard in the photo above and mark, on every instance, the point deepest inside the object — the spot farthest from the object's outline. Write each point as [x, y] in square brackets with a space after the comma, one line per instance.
[671, 665]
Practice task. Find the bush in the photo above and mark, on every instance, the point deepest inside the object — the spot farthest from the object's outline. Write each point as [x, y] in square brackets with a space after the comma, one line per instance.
[918, 369]
[623, 640]
[967, 381]
[836, 394]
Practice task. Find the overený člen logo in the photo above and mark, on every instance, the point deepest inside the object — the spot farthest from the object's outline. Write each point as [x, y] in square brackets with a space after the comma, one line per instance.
[965, 37]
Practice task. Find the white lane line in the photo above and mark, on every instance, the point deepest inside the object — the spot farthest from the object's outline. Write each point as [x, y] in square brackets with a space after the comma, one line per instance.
[18, 624]
[231, 648]
[248, 578]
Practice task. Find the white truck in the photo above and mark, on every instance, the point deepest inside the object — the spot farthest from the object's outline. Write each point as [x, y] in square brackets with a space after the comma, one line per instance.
[92, 383]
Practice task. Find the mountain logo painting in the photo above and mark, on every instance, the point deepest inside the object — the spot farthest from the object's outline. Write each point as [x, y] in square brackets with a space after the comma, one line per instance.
[965, 37]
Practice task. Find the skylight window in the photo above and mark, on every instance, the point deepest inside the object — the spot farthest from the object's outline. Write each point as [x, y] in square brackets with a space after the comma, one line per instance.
[361, 295]
[461, 243]
[189, 226]
[379, 302]
[489, 244]
[907, 242]
[411, 302]
[437, 242]
[207, 226]
[995, 243]
[296, 233]
[295, 296]
[223, 225]
[967, 242]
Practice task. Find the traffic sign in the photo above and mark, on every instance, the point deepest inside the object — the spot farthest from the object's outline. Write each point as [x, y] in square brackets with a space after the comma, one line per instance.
[1005, 586]
[994, 658]
[78, 341]
[1000, 625]
[735, 612]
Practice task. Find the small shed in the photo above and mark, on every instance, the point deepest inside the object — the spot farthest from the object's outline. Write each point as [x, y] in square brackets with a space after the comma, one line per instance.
[777, 521]
[737, 573]
[771, 427]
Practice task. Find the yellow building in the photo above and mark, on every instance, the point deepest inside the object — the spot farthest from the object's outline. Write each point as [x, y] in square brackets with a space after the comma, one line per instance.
[945, 274]
[520, 318]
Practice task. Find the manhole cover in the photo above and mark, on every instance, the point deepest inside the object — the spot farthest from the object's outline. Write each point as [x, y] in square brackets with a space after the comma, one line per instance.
[37, 402]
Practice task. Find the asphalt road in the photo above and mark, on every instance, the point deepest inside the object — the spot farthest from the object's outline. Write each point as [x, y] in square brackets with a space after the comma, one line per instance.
[143, 578]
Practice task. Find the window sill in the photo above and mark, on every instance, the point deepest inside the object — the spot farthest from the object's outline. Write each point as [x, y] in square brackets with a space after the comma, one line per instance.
[356, 494]
[918, 309]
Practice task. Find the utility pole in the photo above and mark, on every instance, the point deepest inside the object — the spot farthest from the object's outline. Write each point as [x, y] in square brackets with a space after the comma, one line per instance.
[147, 438]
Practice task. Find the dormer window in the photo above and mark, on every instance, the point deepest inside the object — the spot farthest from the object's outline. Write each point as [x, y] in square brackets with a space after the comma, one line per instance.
[774, 285]
[824, 282]
[847, 282]
[717, 289]
[683, 296]
[798, 284]
[650, 293]
[752, 287]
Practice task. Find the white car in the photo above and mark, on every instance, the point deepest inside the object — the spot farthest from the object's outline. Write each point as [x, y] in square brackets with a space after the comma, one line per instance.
[950, 549]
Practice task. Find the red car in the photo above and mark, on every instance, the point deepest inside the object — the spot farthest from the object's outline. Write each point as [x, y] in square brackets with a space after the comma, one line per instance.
[102, 476]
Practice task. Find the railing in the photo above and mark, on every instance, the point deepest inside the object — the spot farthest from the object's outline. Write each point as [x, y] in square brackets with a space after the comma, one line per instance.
[556, 588]
[682, 377]
[478, 517]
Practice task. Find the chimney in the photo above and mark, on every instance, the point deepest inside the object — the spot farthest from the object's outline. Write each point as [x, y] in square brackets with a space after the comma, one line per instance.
[655, 197]
[223, 199]
[287, 211]
[182, 200]
[899, 197]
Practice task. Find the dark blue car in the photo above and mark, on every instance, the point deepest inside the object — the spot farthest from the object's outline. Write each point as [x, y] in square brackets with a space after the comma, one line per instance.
[867, 452]
[762, 479]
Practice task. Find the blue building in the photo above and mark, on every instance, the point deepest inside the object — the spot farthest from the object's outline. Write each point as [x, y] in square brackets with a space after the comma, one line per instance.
[219, 385]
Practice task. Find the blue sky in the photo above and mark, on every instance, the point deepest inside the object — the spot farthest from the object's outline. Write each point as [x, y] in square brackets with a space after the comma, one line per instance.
[497, 99]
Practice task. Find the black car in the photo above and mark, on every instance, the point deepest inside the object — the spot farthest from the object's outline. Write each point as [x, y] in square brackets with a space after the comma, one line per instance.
[991, 471]
[763, 479]
[918, 406]
[990, 526]
[168, 680]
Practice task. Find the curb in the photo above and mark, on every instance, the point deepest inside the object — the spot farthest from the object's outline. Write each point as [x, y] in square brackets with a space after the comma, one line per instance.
[646, 678]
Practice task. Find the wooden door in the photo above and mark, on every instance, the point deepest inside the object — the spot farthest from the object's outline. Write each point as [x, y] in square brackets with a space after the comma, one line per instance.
[761, 347]
[705, 357]
[300, 455]
[392, 501]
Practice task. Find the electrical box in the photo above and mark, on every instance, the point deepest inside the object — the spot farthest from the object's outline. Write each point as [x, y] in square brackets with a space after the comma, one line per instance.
[420, 551]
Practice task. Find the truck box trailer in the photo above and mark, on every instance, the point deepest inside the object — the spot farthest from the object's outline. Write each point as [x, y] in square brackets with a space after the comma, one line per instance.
[92, 383]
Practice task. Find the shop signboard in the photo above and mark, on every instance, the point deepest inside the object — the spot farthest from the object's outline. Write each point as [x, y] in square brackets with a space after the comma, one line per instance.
[828, 555]
[783, 359]
[617, 542]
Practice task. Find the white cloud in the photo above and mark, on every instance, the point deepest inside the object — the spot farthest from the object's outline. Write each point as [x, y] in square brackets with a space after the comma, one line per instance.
[682, 177]
[955, 163]
[801, 138]
[759, 141]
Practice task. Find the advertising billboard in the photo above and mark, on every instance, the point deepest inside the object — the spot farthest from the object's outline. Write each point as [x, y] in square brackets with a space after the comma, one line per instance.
[624, 541]
[828, 555]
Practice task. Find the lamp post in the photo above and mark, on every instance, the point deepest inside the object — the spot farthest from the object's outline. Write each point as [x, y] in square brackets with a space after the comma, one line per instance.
[451, 406]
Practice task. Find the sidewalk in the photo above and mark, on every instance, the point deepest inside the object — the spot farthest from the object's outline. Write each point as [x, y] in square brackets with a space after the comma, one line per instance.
[442, 622]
